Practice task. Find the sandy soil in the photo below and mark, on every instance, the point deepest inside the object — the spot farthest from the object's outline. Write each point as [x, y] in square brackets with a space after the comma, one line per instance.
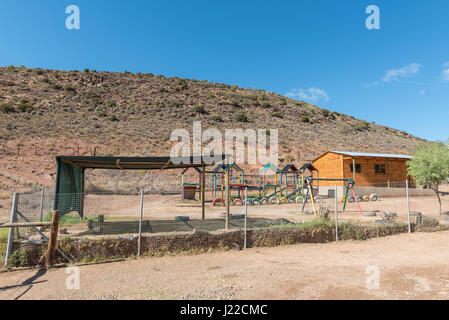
[410, 267]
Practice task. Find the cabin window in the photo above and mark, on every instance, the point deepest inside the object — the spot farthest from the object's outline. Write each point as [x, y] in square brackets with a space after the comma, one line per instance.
[379, 168]
[358, 168]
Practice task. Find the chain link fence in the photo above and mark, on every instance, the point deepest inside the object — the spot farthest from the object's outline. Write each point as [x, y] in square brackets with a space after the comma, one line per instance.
[119, 225]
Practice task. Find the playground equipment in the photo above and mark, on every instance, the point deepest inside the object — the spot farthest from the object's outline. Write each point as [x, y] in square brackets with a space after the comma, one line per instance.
[290, 183]
[269, 179]
[275, 186]
[291, 186]
[349, 185]
[236, 182]
[189, 189]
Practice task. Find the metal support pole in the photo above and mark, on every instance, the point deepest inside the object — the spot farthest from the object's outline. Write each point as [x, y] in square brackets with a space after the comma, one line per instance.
[228, 198]
[346, 198]
[353, 169]
[388, 173]
[139, 243]
[42, 205]
[246, 216]
[203, 193]
[408, 207]
[11, 230]
[311, 199]
[336, 214]
[304, 200]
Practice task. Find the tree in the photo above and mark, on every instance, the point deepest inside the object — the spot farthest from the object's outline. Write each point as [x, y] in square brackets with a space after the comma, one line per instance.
[430, 166]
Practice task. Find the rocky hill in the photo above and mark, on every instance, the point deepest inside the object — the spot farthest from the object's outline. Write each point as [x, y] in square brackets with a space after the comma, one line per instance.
[50, 112]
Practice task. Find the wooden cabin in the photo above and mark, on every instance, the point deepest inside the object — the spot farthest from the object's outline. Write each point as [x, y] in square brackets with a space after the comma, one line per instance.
[367, 169]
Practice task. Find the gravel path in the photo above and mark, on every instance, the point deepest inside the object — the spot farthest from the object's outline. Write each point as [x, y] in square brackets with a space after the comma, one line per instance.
[410, 267]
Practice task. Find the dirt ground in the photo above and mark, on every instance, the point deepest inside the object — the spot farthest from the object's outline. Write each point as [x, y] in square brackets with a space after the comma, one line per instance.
[409, 267]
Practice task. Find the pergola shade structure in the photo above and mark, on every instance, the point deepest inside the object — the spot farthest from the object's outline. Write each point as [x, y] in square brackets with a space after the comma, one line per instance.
[69, 185]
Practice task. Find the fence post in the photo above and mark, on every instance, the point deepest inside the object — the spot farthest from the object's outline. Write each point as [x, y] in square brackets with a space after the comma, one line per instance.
[336, 214]
[52, 241]
[11, 230]
[408, 207]
[228, 198]
[203, 193]
[42, 205]
[140, 224]
[246, 216]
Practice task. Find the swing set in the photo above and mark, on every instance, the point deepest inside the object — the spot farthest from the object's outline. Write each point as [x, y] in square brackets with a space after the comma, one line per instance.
[349, 185]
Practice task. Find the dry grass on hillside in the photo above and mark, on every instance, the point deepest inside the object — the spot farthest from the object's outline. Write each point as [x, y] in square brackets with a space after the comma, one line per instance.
[49, 112]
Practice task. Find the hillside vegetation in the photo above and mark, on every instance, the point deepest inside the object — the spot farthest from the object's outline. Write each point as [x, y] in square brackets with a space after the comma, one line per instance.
[49, 112]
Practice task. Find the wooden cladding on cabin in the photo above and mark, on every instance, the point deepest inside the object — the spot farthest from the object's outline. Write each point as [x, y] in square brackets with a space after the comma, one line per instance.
[369, 171]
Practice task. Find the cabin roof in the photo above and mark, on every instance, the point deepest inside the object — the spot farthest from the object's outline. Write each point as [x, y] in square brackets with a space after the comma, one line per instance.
[367, 154]
[374, 155]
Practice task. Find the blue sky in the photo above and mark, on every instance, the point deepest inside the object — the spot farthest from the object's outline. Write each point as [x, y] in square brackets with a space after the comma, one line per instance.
[319, 51]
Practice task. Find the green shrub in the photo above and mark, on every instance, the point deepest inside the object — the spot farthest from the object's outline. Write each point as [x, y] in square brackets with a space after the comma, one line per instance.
[277, 114]
[102, 114]
[113, 118]
[183, 84]
[69, 89]
[91, 94]
[325, 113]
[430, 222]
[173, 104]
[241, 117]
[66, 219]
[266, 105]
[235, 103]
[361, 126]
[217, 118]
[18, 258]
[56, 86]
[7, 108]
[111, 103]
[199, 109]
[304, 118]
[25, 105]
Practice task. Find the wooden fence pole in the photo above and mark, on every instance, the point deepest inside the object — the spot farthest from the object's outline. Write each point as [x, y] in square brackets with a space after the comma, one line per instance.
[52, 241]
[11, 230]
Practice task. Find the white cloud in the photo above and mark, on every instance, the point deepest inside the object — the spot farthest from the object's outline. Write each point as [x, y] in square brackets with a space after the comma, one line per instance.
[446, 71]
[311, 94]
[404, 72]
